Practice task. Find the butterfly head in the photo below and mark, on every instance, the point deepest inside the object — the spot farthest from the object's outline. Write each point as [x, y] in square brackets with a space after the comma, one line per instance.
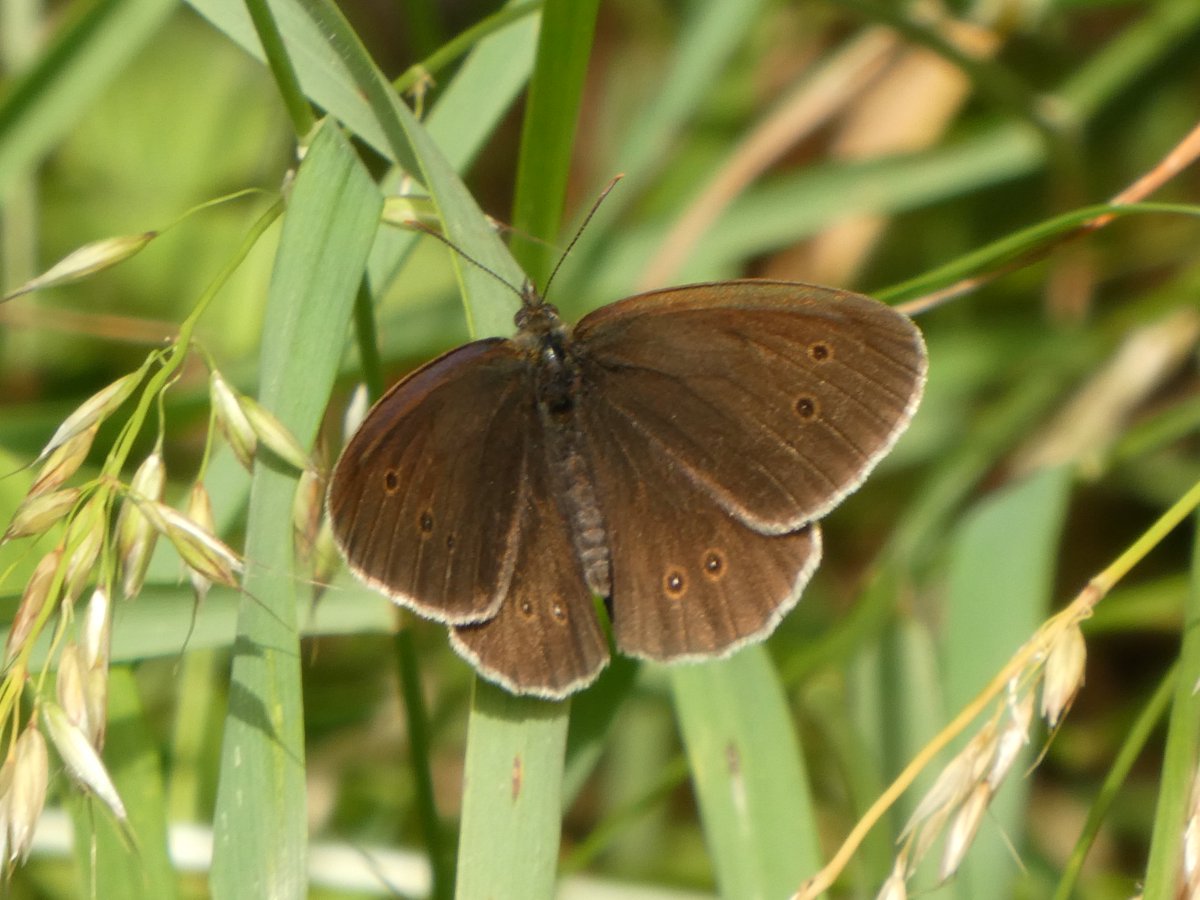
[536, 318]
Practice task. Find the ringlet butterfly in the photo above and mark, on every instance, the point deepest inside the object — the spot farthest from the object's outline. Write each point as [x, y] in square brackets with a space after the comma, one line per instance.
[671, 453]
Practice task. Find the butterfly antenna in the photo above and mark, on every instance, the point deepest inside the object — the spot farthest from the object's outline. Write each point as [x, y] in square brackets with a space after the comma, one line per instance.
[579, 231]
[425, 229]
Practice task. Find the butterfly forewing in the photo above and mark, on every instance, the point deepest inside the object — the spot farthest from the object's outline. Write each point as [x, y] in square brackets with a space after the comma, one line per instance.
[424, 500]
[776, 398]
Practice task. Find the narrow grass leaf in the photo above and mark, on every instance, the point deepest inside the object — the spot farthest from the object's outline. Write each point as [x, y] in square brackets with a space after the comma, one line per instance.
[548, 129]
[711, 34]
[1001, 581]
[508, 844]
[260, 828]
[1164, 868]
[748, 774]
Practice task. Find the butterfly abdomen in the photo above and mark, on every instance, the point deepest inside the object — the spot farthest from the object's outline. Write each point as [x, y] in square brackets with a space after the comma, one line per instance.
[566, 453]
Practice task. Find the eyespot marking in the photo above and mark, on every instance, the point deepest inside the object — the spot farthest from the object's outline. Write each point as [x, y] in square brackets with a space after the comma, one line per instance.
[674, 584]
[807, 408]
[426, 521]
[391, 481]
[820, 351]
[713, 565]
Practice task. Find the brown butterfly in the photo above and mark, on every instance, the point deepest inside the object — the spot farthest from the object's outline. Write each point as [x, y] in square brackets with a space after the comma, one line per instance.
[671, 453]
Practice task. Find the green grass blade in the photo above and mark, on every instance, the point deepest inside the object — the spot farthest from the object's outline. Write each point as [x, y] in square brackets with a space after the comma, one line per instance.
[778, 212]
[482, 91]
[898, 706]
[508, 846]
[465, 115]
[592, 716]
[711, 34]
[284, 73]
[321, 70]
[748, 774]
[462, 119]
[1179, 759]
[1135, 741]
[260, 825]
[1001, 583]
[490, 305]
[548, 129]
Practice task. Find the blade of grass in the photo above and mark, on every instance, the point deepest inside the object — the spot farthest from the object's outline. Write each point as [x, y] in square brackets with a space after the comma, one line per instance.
[489, 304]
[592, 714]
[1135, 741]
[1001, 583]
[548, 129]
[267, 29]
[897, 705]
[502, 66]
[511, 809]
[748, 773]
[518, 733]
[260, 825]
[464, 114]
[440, 57]
[1179, 768]
[780, 211]
[168, 623]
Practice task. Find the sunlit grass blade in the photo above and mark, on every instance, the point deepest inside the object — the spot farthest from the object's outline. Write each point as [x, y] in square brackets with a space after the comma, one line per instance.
[261, 828]
[1136, 738]
[548, 130]
[711, 34]
[511, 815]
[1164, 868]
[1001, 582]
[465, 113]
[748, 773]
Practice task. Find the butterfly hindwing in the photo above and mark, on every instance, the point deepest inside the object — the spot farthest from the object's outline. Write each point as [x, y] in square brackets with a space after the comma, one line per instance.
[546, 638]
[688, 579]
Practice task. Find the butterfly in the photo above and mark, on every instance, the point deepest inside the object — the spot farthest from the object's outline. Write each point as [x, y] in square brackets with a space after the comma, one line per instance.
[671, 453]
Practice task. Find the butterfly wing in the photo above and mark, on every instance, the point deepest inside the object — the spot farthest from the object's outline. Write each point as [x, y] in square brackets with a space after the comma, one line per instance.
[776, 398]
[688, 579]
[424, 499]
[546, 638]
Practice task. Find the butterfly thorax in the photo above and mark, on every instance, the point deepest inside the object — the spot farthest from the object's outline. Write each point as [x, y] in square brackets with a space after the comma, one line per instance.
[544, 339]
